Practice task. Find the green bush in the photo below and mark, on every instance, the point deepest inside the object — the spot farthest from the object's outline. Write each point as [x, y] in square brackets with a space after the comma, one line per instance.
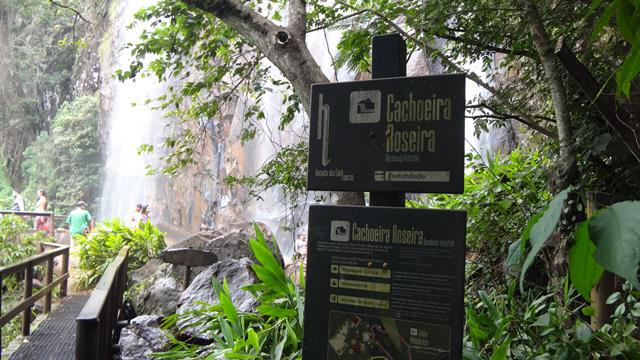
[274, 331]
[16, 241]
[99, 248]
[500, 325]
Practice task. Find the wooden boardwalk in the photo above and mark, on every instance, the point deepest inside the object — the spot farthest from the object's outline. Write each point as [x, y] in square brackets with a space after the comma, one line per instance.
[55, 338]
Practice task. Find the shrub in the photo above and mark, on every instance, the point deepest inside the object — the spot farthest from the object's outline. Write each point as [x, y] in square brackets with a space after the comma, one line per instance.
[99, 248]
[543, 326]
[16, 243]
[274, 331]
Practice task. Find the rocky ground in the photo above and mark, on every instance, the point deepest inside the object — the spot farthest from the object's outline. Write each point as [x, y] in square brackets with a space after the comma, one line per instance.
[156, 289]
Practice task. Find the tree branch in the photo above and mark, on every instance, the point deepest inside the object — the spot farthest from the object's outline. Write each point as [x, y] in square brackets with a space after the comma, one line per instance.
[522, 117]
[298, 17]
[544, 48]
[72, 9]
[288, 53]
[480, 45]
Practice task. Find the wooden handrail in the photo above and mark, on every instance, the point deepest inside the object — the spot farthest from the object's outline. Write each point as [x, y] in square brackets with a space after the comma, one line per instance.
[30, 299]
[34, 260]
[98, 318]
[49, 214]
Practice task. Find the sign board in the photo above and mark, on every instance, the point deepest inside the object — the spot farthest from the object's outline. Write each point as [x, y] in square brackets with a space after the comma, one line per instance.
[384, 283]
[189, 257]
[387, 135]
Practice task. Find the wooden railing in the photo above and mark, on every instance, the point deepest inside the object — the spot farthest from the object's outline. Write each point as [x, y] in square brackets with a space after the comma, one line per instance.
[99, 317]
[49, 215]
[29, 299]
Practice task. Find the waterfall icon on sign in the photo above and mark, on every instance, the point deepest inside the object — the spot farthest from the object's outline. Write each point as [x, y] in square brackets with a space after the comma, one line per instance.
[323, 129]
[364, 106]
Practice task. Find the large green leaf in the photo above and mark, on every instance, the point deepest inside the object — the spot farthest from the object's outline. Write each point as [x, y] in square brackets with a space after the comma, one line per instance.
[584, 271]
[616, 233]
[542, 230]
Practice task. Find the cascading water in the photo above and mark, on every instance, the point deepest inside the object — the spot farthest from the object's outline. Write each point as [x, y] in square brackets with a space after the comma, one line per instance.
[125, 182]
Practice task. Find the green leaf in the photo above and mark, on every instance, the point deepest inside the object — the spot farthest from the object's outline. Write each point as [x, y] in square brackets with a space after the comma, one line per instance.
[491, 307]
[583, 332]
[584, 271]
[542, 230]
[501, 352]
[616, 233]
[253, 339]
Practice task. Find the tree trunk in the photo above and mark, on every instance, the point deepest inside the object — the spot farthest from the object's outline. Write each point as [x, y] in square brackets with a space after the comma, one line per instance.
[285, 47]
[542, 43]
[566, 167]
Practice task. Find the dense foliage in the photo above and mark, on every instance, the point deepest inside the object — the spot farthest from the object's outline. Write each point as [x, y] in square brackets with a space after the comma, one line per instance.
[501, 193]
[16, 243]
[67, 162]
[100, 247]
[274, 331]
[39, 44]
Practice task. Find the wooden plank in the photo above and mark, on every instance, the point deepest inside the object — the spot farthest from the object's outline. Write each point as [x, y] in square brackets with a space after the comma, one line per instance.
[28, 292]
[48, 280]
[6, 317]
[96, 302]
[26, 213]
[189, 257]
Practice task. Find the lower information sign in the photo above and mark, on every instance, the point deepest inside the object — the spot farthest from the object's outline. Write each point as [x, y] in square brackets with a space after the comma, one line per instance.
[384, 283]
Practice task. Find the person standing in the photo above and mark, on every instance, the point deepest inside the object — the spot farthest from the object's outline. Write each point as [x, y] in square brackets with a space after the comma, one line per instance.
[145, 215]
[18, 201]
[135, 218]
[41, 206]
[79, 220]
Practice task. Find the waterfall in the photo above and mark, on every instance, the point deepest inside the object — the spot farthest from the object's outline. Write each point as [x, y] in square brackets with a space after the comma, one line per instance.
[125, 182]
[198, 196]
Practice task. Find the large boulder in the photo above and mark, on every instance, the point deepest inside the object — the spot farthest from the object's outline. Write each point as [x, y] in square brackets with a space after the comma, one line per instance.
[231, 242]
[237, 273]
[157, 294]
[141, 338]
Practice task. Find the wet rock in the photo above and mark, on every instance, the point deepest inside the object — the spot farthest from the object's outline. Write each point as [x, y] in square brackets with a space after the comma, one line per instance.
[231, 242]
[237, 273]
[141, 338]
[157, 294]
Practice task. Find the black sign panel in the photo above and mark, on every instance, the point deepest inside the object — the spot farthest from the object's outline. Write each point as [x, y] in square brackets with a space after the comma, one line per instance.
[384, 283]
[400, 134]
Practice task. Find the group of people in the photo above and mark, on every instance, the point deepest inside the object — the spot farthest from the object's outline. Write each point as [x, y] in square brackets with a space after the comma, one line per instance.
[79, 219]
[141, 215]
[41, 222]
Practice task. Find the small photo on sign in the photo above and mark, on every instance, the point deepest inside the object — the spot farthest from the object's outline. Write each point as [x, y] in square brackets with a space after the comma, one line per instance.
[364, 107]
[340, 230]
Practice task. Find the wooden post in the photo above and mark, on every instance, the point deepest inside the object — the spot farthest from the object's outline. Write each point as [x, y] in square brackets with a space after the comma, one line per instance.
[187, 275]
[47, 281]
[388, 59]
[1, 313]
[28, 290]
[65, 270]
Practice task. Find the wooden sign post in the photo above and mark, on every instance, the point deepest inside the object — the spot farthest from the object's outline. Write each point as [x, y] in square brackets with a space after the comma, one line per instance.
[386, 282]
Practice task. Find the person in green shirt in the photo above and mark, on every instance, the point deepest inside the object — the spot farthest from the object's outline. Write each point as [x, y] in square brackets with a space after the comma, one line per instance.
[79, 220]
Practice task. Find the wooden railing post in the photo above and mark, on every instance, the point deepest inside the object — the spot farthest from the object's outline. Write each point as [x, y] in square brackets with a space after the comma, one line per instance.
[28, 290]
[1, 285]
[48, 279]
[65, 270]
